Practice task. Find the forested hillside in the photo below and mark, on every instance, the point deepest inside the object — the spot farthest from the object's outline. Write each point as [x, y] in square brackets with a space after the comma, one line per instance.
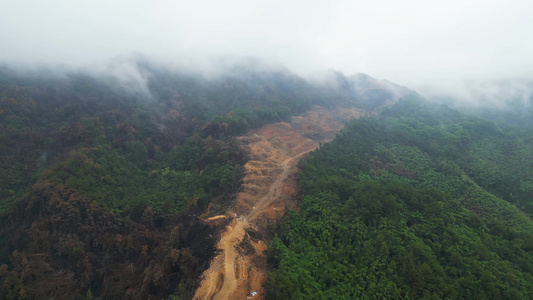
[418, 202]
[105, 180]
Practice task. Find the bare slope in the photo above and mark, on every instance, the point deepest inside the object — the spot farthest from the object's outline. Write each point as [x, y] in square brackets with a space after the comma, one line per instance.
[269, 183]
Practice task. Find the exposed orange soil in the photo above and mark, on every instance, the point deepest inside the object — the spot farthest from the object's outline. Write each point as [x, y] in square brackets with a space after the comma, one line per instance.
[269, 184]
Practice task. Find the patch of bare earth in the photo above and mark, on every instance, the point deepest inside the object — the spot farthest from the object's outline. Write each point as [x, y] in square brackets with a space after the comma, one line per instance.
[269, 184]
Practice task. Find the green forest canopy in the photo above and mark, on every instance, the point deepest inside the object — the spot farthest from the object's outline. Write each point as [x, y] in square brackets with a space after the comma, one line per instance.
[418, 202]
[103, 184]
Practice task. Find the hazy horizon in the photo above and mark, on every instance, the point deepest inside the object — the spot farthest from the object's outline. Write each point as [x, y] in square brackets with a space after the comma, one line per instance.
[434, 48]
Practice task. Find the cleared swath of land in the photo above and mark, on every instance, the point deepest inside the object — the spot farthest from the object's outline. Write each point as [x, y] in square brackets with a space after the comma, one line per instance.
[269, 184]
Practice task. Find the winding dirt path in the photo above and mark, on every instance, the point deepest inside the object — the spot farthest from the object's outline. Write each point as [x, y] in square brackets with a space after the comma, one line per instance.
[275, 190]
[268, 184]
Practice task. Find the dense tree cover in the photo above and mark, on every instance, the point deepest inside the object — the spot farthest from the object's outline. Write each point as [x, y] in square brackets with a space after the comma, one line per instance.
[110, 146]
[418, 202]
[71, 247]
[102, 190]
[44, 115]
[104, 179]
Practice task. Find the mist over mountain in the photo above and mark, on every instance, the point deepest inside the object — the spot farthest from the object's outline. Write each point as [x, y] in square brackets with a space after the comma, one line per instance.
[109, 175]
[115, 168]
[509, 101]
[425, 46]
[172, 150]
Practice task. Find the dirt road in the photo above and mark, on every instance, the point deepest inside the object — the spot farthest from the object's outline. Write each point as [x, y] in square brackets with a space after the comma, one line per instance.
[268, 184]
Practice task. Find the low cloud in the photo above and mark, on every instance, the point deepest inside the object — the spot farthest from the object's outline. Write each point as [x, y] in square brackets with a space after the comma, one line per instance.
[123, 73]
[434, 48]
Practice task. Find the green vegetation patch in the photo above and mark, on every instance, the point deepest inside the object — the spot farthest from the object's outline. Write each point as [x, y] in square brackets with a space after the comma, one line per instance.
[420, 202]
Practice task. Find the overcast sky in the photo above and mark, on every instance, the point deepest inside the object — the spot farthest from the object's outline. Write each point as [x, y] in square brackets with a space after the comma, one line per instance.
[418, 44]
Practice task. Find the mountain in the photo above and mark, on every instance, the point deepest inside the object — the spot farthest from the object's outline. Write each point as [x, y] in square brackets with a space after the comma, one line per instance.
[107, 174]
[418, 202]
[122, 181]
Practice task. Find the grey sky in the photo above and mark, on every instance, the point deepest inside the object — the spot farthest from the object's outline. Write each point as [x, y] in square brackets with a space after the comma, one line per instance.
[419, 44]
